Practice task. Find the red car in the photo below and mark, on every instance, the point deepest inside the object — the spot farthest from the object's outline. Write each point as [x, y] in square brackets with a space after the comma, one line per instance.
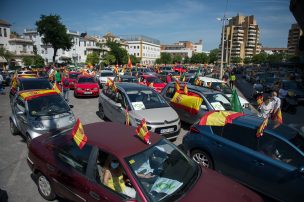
[86, 86]
[158, 84]
[139, 172]
[179, 68]
[72, 79]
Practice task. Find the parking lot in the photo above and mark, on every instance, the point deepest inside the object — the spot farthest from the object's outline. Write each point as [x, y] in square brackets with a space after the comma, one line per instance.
[15, 175]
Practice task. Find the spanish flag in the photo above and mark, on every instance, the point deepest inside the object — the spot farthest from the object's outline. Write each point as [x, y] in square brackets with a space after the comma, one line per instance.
[190, 103]
[28, 95]
[114, 88]
[127, 117]
[177, 86]
[260, 100]
[261, 128]
[56, 88]
[143, 132]
[110, 82]
[116, 70]
[219, 118]
[78, 134]
[185, 89]
[278, 117]
[129, 63]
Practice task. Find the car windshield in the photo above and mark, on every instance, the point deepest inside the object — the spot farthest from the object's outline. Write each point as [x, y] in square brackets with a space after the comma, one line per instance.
[106, 74]
[163, 171]
[73, 76]
[86, 80]
[47, 105]
[220, 86]
[146, 99]
[154, 80]
[130, 80]
[218, 101]
[35, 84]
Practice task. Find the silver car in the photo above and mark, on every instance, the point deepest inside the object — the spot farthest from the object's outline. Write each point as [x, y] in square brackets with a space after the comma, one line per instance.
[104, 75]
[141, 102]
[40, 114]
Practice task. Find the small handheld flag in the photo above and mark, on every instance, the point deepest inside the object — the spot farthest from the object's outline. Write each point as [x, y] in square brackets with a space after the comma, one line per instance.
[260, 100]
[78, 134]
[185, 89]
[127, 117]
[143, 132]
[177, 86]
[129, 63]
[261, 128]
[235, 102]
[57, 88]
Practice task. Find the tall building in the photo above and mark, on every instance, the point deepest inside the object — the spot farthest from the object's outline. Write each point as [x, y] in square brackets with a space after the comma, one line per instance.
[241, 38]
[143, 47]
[5, 32]
[183, 48]
[294, 35]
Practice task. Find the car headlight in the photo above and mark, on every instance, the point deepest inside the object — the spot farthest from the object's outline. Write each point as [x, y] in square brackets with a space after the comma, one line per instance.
[37, 125]
[78, 89]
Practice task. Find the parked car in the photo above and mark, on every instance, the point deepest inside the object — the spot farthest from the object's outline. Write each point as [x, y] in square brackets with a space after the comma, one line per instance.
[126, 78]
[28, 84]
[142, 102]
[104, 75]
[86, 86]
[212, 100]
[179, 68]
[64, 170]
[272, 164]
[35, 112]
[72, 79]
[154, 81]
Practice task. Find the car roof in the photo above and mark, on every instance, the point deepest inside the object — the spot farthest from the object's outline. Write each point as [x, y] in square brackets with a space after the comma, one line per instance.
[84, 76]
[117, 139]
[106, 71]
[196, 88]
[208, 79]
[132, 86]
[126, 76]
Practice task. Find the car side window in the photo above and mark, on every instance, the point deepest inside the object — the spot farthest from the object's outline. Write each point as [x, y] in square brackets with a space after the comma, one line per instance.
[20, 106]
[170, 92]
[241, 135]
[71, 155]
[111, 174]
[279, 150]
[217, 130]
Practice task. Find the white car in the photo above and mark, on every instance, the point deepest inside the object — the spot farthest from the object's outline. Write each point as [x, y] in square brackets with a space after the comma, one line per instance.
[222, 86]
[104, 75]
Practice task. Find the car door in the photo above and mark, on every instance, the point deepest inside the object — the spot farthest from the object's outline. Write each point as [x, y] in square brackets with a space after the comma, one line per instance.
[69, 170]
[106, 102]
[278, 169]
[19, 111]
[234, 151]
[119, 107]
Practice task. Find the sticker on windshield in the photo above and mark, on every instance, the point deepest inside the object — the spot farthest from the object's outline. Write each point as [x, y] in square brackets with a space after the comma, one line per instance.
[217, 106]
[165, 185]
[138, 105]
[132, 161]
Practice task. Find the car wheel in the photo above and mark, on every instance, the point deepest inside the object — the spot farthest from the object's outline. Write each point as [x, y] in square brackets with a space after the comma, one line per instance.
[101, 112]
[44, 187]
[202, 158]
[13, 128]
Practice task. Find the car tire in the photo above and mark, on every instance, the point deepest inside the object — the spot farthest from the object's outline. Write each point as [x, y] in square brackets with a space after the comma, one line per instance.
[202, 158]
[14, 130]
[75, 95]
[101, 112]
[45, 188]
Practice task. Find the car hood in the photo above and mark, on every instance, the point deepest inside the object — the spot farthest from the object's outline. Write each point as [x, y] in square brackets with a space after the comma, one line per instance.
[86, 85]
[215, 187]
[157, 115]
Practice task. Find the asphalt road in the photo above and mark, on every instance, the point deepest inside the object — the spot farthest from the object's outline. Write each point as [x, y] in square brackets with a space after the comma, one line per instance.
[15, 175]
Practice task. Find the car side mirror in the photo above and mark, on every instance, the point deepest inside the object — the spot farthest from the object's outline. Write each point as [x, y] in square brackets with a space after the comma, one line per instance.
[71, 106]
[118, 105]
[20, 113]
[204, 107]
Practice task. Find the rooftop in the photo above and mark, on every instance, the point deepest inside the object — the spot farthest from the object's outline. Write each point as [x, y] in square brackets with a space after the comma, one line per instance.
[3, 22]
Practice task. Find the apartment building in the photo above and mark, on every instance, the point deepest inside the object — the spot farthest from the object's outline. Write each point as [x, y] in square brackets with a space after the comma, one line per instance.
[183, 48]
[294, 35]
[241, 38]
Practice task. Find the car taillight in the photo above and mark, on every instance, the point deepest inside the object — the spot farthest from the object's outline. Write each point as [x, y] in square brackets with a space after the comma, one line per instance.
[194, 130]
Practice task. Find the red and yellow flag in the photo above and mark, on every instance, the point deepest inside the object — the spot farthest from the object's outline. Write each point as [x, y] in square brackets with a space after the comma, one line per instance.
[28, 95]
[116, 70]
[261, 128]
[219, 118]
[177, 86]
[278, 117]
[260, 100]
[78, 134]
[110, 82]
[151, 85]
[129, 63]
[127, 117]
[56, 88]
[143, 132]
[185, 89]
[189, 103]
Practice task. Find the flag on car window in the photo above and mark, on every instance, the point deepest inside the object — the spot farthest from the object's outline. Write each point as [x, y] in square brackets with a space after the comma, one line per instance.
[260, 100]
[143, 132]
[127, 117]
[190, 103]
[261, 128]
[235, 102]
[28, 95]
[56, 88]
[110, 82]
[219, 118]
[185, 89]
[78, 134]
[177, 86]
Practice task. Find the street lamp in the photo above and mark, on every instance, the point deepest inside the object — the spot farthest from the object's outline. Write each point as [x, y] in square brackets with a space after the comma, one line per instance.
[222, 43]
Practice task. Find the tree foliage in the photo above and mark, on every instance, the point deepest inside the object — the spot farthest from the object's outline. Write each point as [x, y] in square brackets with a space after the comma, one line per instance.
[236, 60]
[200, 58]
[120, 54]
[54, 33]
[134, 59]
[213, 55]
[247, 60]
[7, 55]
[165, 58]
[28, 60]
[38, 61]
[109, 59]
[177, 59]
[259, 58]
[92, 58]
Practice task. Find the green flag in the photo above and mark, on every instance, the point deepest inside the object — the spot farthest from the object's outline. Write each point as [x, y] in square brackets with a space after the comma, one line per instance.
[235, 102]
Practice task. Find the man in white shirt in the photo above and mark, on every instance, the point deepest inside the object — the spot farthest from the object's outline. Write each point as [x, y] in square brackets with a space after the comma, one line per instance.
[266, 109]
[276, 102]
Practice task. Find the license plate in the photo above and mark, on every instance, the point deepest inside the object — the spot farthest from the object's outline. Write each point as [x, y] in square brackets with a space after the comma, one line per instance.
[87, 93]
[167, 130]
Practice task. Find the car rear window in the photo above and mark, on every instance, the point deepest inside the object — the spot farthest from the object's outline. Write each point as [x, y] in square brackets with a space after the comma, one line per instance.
[86, 80]
[106, 74]
[35, 84]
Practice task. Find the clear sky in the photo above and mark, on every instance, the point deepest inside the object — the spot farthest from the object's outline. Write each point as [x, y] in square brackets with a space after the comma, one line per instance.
[167, 20]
